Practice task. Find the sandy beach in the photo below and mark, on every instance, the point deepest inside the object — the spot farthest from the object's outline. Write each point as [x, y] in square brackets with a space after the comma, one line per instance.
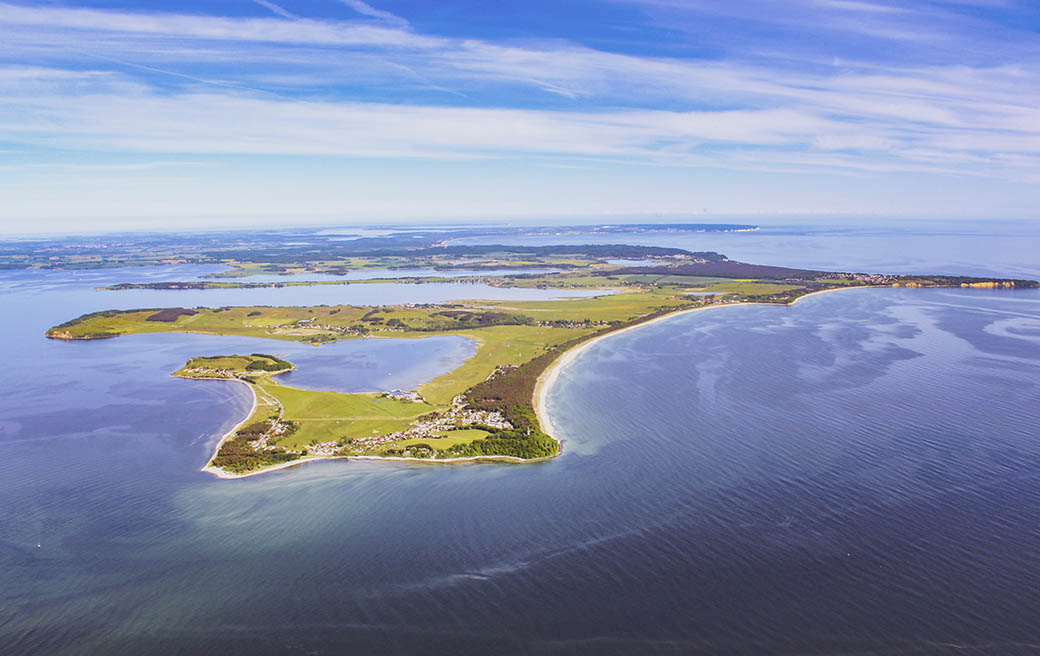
[541, 393]
[552, 372]
[220, 473]
[234, 429]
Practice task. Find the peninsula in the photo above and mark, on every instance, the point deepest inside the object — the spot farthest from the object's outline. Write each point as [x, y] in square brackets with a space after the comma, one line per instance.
[491, 407]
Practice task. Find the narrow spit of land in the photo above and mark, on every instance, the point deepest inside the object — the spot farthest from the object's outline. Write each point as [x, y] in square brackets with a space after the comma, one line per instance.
[490, 408]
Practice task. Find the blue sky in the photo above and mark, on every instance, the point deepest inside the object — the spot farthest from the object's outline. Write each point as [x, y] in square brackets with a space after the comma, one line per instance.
[119, 114]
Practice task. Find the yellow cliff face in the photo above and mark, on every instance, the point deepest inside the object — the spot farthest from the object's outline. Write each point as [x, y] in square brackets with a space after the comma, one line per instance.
[908, 284]
[988, 284]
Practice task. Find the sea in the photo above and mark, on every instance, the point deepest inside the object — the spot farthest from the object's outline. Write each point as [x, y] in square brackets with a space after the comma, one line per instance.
[855, 474]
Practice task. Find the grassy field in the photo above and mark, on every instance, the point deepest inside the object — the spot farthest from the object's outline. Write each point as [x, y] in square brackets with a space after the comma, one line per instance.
[499, 345]
[309, 404]
[524, 331]
[615, 307]
[449, 439]
[507, 333]
[313, 431]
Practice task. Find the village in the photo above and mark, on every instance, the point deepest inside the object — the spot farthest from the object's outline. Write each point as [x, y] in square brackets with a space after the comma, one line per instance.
[426, 428]
[872, 278]
[432, 428]
[277, 429]
[203, 372]
[310, 323]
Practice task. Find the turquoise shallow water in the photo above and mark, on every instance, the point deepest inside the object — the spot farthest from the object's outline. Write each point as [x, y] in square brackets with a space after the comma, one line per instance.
[854, 474]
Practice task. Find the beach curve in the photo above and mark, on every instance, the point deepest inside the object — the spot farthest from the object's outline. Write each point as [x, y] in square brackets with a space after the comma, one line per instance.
[549, 377]
[543, 386]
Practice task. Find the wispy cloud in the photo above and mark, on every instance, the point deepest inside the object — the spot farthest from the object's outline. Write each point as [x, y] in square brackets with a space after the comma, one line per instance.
[275, 9]
[85, 22]
[891, 32]
[366, 9]
[115, 114]
[374, 86]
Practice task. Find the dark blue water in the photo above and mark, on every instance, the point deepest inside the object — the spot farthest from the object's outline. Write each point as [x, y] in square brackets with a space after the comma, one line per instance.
[857, 474]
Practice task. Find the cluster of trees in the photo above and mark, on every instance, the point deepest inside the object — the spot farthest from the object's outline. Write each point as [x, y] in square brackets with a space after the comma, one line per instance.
[413, 451]
[464, 319]
[169, 315]
[275, 358]
[270, 363]
[513, 443]
[569, 323]
[237, 454]
[466, 316]
[104, 314]
[510, 392]
[449, 320]
[56, 331]
[254, 431]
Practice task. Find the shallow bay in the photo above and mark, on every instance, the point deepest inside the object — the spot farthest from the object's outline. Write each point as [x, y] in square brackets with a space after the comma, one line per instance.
[857, 473]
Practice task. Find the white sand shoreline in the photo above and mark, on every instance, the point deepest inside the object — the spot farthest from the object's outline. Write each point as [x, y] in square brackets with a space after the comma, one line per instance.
[234, 429]
[541, 393]
[552, 372]
[220, 473]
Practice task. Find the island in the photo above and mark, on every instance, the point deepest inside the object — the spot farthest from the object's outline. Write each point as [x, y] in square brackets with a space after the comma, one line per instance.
[491, 407]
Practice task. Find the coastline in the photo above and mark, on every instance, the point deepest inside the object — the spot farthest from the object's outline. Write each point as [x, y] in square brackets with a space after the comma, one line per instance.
[234, 429]
[220, 473]
[541, 392]
[832, 289]
[552, 372]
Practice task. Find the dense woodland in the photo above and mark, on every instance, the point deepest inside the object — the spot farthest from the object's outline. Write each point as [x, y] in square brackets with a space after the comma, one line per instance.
[237, 454]
[273, 363]
[510, 391]
[169, 315]
[507, 443]
[451, 320]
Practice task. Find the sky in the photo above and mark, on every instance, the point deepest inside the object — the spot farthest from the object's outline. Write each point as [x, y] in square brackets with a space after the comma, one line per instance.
[118, 114]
